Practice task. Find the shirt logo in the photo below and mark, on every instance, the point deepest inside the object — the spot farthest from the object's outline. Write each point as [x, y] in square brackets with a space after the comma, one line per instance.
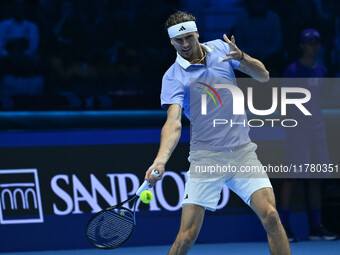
[20, 199]
[182, 28]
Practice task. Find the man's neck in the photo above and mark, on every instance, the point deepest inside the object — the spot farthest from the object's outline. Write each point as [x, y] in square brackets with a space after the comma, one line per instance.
[308, 61]
[198, 57]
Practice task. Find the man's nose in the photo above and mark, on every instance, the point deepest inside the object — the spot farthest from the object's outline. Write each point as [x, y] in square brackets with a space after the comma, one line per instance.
[185, 44]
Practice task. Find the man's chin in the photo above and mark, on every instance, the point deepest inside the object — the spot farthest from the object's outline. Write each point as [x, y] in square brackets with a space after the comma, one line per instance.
[186, 54]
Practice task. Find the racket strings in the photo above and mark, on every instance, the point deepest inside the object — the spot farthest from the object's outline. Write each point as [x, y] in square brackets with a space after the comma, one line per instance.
[111, 228]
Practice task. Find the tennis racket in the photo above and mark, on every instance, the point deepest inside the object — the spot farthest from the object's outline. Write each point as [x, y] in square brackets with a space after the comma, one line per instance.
[113, 226]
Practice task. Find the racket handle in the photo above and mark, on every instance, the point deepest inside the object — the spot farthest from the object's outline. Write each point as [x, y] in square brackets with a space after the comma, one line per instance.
[145, 184]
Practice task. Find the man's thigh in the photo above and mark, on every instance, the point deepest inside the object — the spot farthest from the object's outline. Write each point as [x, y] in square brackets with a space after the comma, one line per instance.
[249, 177]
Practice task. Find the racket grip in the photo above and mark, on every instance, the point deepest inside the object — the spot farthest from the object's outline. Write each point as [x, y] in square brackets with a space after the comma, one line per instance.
[145, 184]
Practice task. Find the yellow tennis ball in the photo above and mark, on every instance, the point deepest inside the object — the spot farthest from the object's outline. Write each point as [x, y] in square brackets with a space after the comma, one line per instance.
[146, 196]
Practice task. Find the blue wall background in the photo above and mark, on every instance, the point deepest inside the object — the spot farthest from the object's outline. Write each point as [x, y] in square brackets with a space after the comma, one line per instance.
[79, 149]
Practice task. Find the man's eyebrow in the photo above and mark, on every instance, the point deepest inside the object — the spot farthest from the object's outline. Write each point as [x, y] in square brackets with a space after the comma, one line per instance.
[186, 37]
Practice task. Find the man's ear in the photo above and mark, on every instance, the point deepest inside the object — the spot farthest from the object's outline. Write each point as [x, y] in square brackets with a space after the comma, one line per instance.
[171, 41]
[198, 35]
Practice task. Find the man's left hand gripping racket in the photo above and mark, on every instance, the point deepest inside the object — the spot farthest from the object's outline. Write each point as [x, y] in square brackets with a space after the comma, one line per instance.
[113, 226]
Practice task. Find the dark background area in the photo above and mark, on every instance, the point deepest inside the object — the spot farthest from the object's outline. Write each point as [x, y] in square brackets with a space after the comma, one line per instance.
[103, 54]
[78, 55]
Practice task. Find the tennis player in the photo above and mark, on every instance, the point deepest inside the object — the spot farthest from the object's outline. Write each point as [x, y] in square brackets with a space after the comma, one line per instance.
[231, 144]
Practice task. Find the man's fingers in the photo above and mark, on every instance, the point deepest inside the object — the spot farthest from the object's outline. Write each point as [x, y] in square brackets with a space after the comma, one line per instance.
[153, 180]
[233, 39]
[230, 42]
[148, 175]
[231, 55]
[226, 59]
[226, 38]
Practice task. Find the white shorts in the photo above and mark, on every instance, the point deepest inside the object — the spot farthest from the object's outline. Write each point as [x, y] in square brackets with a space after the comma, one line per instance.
[210, 170]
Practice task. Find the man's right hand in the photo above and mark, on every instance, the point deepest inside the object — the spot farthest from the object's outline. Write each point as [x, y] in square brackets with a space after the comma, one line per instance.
[152, 179]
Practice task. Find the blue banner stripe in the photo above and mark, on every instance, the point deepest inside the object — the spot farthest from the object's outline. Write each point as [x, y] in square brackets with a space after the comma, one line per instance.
[80, 137]
[103, 137]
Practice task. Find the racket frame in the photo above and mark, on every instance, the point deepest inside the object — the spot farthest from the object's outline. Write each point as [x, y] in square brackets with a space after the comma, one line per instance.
[143, 187]
[117, 206]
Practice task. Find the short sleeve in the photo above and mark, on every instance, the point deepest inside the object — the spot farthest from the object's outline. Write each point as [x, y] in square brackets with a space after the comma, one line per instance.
[234, 63]
[172, 92]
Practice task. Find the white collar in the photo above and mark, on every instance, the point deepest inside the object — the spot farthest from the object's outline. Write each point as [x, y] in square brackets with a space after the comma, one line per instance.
[185, 63]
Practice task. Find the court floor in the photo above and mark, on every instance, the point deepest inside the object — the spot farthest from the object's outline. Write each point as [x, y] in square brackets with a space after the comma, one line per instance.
[259, 248]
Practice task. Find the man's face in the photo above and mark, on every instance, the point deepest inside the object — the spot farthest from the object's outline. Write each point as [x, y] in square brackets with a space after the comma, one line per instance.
[187, 45]
[311, 47]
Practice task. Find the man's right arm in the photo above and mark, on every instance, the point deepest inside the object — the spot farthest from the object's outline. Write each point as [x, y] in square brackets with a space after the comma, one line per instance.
[171, 132]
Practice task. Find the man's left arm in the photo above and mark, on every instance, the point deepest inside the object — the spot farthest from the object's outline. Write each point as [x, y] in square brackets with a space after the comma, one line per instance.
[248, 65]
